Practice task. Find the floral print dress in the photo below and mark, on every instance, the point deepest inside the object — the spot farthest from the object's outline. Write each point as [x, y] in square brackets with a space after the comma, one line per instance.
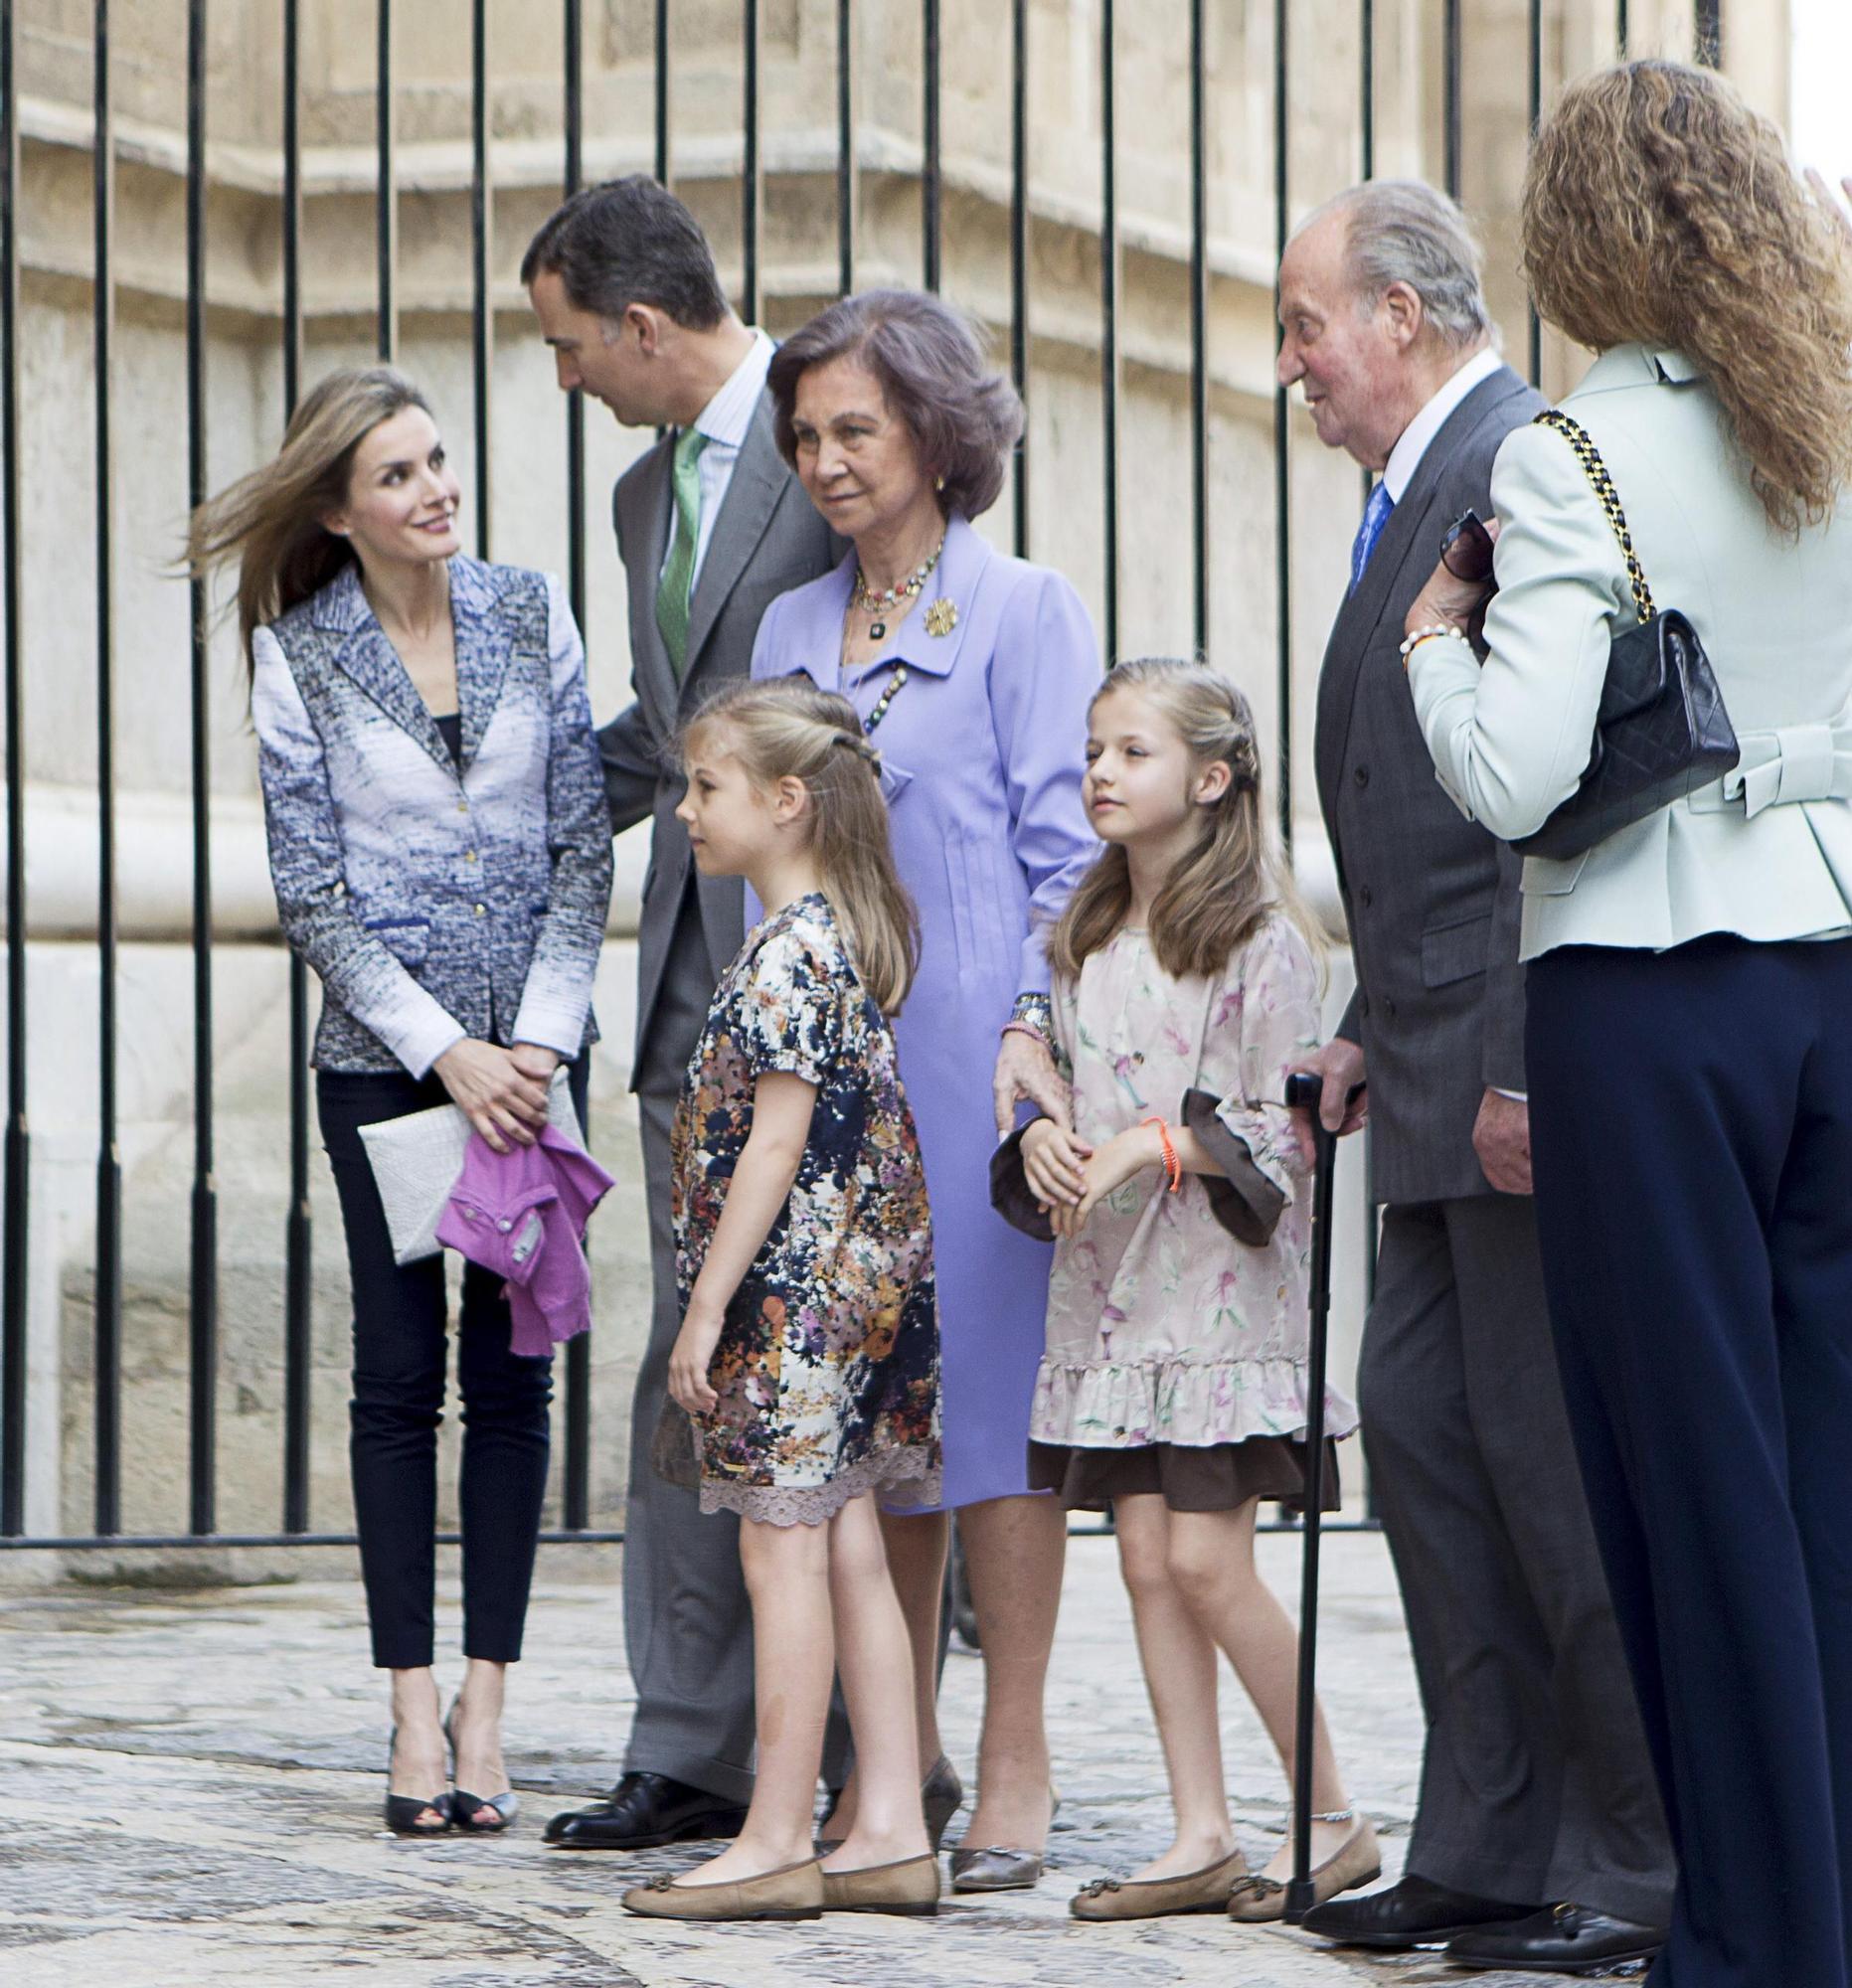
[1183, 1318]
[827, 1368]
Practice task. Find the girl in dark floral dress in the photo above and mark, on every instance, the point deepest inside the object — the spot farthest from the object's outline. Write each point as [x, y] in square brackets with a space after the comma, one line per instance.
[808, 1354]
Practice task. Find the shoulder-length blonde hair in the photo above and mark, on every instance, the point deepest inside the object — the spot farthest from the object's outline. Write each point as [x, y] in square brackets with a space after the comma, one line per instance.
[784, 728]
[1659, 208]
[270, 521]
[1232, 879]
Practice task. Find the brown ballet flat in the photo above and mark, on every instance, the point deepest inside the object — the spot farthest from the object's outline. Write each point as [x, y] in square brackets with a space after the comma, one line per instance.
[909, 1888]
[1204, 1891]
[1260, 1901]
[792, 1891]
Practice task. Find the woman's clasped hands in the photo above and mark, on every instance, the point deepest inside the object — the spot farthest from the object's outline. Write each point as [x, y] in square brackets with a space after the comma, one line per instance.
[1070, 1178]
[502, 1093]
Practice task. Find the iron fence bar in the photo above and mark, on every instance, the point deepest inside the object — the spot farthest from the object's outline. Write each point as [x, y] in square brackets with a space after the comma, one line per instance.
[482, 330]
[1709, 26]
[751, 190]
[662, 91]
[298, 1241]
[577, 1488]
[1282, 546]
[1366, 93]
[171, 1541]
[931, 191]
[845, 146]
[12, 1374]
[1532, 323]
[1622, 35]
[106, 1288]
[1451, 58]
[1108, 331]
[1019, 258]
[386, 195]
[203, 1291]
[1199, 334]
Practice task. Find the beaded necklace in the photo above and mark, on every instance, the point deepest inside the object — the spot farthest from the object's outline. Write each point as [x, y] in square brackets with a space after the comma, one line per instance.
[881, 601]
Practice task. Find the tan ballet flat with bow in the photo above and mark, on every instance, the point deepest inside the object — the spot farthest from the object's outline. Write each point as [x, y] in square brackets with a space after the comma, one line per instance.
[909, 1888]
[792, 1891]
[1256, 1900]
[1204, 1891]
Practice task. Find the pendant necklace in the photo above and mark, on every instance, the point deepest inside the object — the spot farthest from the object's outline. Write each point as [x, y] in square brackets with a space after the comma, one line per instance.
[883, 600]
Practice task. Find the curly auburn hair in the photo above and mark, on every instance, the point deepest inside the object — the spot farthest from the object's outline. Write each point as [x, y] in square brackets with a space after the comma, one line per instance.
[1659, 208]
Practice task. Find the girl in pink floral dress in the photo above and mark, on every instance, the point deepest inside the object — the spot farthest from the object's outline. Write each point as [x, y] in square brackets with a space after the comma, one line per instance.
[1185, 986]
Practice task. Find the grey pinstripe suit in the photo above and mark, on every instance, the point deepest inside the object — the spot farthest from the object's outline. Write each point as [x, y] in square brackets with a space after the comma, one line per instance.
[1535, 1783]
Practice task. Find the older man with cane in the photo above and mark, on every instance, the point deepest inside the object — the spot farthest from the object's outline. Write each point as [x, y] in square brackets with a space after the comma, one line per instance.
[1537, 1843]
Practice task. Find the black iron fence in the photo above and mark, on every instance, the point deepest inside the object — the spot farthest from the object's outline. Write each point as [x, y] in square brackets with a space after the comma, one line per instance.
[203, 1302]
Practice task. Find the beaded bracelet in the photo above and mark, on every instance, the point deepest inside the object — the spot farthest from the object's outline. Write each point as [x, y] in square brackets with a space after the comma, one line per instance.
[1173, 1167]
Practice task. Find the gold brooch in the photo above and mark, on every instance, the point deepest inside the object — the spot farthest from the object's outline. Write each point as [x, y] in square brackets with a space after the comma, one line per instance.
[941, 617]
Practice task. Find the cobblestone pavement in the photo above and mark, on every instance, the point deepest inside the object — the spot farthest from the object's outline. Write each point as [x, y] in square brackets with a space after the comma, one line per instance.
[191, 1787]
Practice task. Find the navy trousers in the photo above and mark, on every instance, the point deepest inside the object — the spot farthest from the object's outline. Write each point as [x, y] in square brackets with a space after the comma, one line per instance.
[399, 1358]
[1691, 1128]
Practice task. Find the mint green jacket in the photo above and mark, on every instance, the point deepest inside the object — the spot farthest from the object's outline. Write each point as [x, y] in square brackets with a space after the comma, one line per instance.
[1767, 852]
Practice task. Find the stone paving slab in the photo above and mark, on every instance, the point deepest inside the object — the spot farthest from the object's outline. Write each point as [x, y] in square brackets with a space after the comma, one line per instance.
[193, 1779]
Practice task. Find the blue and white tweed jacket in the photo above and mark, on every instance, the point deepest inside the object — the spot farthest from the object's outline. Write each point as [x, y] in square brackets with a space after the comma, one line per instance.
[432, 904]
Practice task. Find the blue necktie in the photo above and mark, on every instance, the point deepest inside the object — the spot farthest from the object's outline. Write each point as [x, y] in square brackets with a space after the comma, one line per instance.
[1375, 517]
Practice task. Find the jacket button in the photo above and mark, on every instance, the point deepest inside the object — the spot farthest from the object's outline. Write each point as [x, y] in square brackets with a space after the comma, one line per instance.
[469, 855]
[1364, 898]
[481, 910]
[504, 1226]
[462, 807]
[1362, 776]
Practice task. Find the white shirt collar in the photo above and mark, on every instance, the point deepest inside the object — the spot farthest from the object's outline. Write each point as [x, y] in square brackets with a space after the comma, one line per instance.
[727, 418]
[1405, 458]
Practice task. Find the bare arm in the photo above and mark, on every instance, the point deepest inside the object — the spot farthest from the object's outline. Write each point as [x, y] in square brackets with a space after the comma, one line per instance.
[761, 1184]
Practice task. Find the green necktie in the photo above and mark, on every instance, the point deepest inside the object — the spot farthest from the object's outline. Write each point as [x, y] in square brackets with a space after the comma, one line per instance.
[673, 590]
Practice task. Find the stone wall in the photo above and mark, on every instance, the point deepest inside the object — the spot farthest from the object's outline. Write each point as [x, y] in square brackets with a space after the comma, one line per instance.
[527, 447]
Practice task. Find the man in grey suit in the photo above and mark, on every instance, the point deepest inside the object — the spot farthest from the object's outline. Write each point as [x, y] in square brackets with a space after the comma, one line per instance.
[711, 527]
[1539, 1840]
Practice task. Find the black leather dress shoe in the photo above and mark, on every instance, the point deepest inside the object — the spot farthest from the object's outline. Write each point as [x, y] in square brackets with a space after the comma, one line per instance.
[1415, 1913]
[642, 1811]
[1560, 1939]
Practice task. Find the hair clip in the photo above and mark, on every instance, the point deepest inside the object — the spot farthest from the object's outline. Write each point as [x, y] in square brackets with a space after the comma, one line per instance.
[860, 747]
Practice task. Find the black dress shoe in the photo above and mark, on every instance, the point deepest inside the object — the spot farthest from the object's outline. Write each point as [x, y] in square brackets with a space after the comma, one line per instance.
[642, 1811]
[1560, 1939]
[1415, 1913]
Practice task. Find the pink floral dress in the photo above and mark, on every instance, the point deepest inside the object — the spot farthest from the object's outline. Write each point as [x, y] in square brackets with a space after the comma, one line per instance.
[1183, 1318]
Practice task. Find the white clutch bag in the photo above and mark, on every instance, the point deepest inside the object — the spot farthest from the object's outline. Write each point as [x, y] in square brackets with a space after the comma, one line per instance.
[416, 1161]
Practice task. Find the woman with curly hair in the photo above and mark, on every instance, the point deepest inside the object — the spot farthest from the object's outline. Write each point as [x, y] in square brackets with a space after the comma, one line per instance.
[1689, 1059]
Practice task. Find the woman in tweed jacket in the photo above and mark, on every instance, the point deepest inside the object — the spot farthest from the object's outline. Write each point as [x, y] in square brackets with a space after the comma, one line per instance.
[441, 856]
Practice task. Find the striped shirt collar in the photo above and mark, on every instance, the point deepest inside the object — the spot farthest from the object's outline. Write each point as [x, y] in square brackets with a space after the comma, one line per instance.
[727, 418]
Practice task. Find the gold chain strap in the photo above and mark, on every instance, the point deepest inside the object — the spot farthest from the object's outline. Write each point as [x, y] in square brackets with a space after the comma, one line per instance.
[1595, 469]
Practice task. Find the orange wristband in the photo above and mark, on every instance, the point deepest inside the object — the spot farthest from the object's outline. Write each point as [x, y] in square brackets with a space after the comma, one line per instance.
[1173, 1167]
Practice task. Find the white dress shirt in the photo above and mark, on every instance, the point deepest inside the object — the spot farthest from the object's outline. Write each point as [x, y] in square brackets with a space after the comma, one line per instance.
[725, 421]
[1405, 457]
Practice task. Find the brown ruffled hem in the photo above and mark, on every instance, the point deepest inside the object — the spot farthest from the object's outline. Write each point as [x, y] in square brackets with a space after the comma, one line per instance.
[1215, 1477]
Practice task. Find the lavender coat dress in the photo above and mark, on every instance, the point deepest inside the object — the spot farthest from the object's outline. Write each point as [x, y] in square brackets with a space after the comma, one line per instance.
[983, 754]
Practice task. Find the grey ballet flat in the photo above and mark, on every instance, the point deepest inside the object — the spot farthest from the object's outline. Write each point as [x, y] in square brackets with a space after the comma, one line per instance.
[995, 1869]
[995, 1866]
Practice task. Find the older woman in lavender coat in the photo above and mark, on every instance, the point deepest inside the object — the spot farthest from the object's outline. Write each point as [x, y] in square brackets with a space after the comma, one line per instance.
[972, 673]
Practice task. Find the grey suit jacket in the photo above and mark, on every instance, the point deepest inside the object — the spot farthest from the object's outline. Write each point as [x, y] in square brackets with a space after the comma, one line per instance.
[1431, 900]
[766, 540]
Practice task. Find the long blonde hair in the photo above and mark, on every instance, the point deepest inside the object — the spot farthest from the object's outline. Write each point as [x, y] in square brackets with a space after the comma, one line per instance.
[1232, 879]
[786, 729]
[1659, 208]
[270, 521]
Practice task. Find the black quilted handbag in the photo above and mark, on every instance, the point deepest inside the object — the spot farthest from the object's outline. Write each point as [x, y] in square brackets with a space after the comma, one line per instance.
[1662, 731]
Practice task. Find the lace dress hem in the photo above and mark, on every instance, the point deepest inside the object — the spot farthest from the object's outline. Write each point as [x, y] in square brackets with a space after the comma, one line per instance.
[817, 1504]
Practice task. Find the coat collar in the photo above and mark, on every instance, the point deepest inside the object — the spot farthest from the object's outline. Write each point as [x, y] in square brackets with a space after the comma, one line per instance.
[817, 639]
[760, 478]
[373, 663]
[1637, 366]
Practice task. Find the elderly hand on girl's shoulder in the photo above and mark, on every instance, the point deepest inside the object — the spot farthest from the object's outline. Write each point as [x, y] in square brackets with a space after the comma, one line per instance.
[1053, 1162]
[690, 1358]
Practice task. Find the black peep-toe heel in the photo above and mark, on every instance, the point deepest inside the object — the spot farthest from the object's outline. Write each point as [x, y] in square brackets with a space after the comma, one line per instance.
[403, 1812]
[463, 1805]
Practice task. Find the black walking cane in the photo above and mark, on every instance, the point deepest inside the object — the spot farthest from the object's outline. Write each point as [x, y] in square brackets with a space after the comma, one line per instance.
[1303, 1089]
